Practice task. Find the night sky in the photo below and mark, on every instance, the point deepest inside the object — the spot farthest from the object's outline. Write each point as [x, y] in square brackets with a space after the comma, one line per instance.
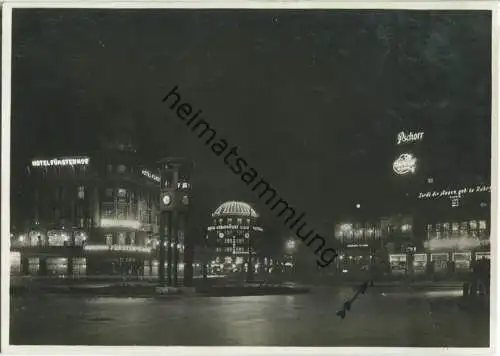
[313, 99]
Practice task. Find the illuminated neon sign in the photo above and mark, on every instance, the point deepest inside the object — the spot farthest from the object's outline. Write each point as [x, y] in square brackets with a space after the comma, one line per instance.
[70, 161]
[403, 137]
[127, 248]
[129, 224]
[234, 227]
[454, 192]
[404, 164]
[150, 175]
[180, 185]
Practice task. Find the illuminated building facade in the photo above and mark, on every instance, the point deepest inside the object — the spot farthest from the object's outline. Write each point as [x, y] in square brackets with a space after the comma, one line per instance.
[456, 235]
[450, 209]
[363, 243]
[93, 214]
[233, 237]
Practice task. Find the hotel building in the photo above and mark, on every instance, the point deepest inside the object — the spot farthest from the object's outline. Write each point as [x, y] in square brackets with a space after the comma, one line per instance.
[92, 214]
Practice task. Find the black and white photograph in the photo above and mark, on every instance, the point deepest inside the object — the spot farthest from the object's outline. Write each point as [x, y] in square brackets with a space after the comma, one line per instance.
[251, 177]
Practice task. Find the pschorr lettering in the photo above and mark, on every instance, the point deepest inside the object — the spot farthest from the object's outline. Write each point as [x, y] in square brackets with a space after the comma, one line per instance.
[409, 137]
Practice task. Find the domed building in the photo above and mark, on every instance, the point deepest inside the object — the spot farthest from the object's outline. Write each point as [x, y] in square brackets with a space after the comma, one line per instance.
[232, 237]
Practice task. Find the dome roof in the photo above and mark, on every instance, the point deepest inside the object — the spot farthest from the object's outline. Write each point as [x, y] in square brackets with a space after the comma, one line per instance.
[232, 208]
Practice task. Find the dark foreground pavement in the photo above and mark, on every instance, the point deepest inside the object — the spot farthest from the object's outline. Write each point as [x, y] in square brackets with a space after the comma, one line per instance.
[382, 317]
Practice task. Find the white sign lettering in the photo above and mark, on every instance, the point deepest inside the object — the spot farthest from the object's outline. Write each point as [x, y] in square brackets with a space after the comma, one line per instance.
[405, 164]
[454, 192]
[180, 185]
[128, 248]
[233, 227]
[129, 224]
[70, 161]
[150, 175]
[403, 137]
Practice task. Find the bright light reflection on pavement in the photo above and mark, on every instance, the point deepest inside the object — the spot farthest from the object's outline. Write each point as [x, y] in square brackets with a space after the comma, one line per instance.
[378, 318]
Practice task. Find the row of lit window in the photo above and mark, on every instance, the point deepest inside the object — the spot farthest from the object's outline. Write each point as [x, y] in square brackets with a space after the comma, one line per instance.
[120, 238]
[55, 265]
[230, 249]
[53, 238]
[230, 221]
[233, 240]
[458, 226]
[358, 233]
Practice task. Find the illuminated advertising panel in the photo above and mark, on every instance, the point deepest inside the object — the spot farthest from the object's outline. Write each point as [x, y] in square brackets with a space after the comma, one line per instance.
[406, 163]
[67, 161]
[409, 137]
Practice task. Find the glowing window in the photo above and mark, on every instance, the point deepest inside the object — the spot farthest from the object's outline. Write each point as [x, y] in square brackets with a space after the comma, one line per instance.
[122, 193]
[81, 192]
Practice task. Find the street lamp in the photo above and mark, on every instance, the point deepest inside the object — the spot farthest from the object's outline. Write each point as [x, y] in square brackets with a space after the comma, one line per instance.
[290, 245]
[358, 206]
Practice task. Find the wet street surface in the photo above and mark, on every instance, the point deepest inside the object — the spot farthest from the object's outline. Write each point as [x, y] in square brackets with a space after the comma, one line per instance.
[378, 318]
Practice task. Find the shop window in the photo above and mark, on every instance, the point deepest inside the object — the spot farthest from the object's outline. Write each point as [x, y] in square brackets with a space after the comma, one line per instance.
[109, 239]
[15, 262]
[122, 193]
[454, 226]
[121, 238]
[121, 213]
[482, 224]
[33, 265]
[446, 230]
[429, 231]
[107, 212]
[109, 168]
[80, 238]
[57, 266]
[229, 221]
[121, 168]
[79, 267]
[239, 221]
[438, 231]
[81, 192]
[473, 224]
[406, 228]
[57, 238]
[463, 228]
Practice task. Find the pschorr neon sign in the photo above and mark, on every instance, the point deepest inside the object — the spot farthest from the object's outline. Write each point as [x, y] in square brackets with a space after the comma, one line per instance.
[69, 161]
[404, 164]
[404, 137]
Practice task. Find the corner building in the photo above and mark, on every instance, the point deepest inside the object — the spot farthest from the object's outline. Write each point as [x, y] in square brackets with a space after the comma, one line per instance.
[92, 214]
